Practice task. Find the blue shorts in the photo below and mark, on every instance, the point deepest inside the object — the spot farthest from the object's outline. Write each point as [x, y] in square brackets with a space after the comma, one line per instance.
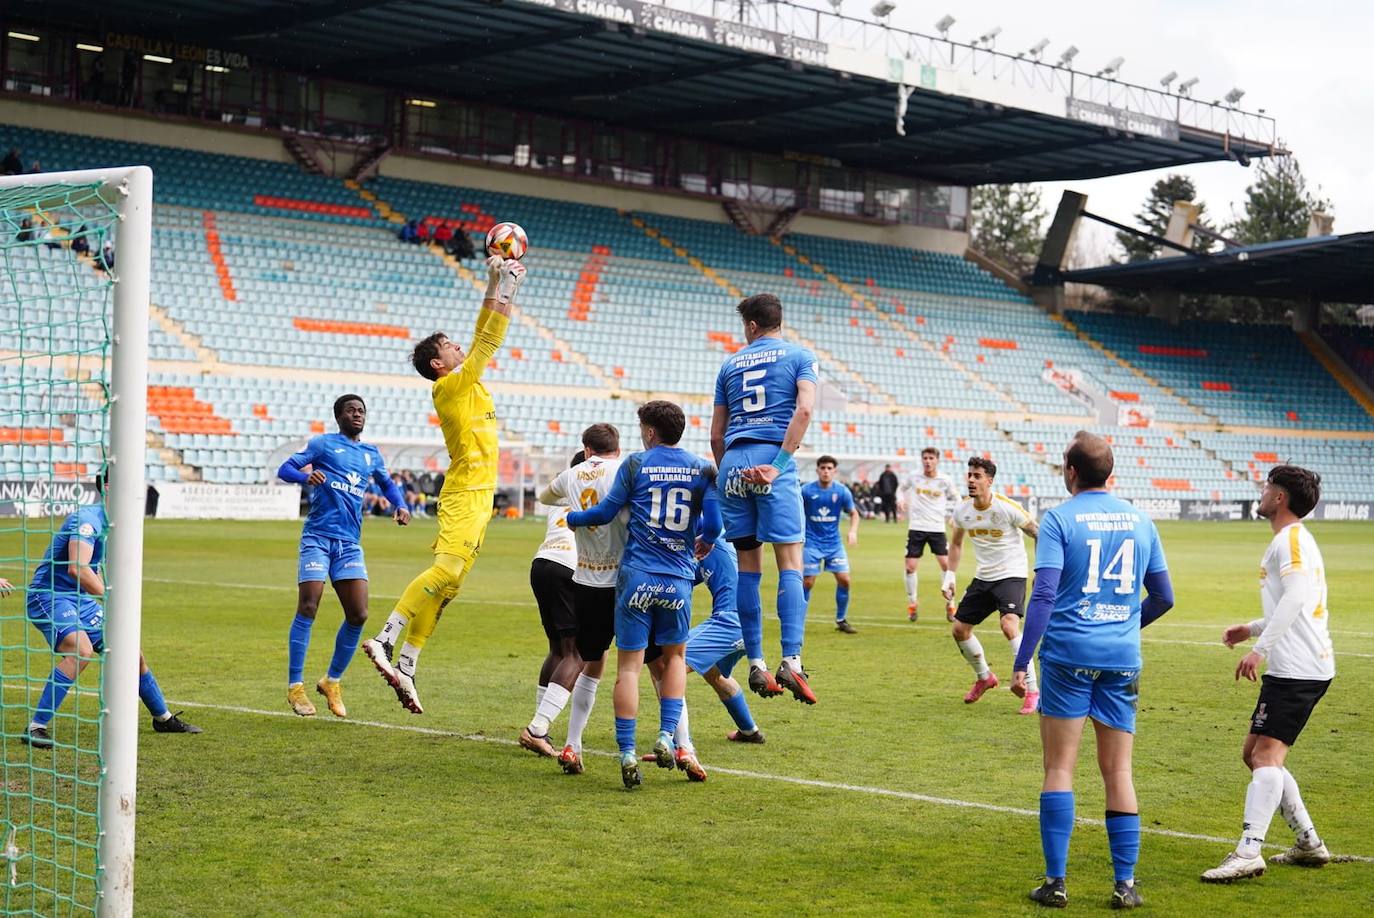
[717, 642]
[1106, 696]
[651, 604]
[57, 615]
[335, 558]
[769, 513]
[816, 558]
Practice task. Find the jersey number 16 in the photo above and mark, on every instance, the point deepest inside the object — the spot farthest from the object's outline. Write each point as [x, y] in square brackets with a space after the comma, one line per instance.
[670, 508]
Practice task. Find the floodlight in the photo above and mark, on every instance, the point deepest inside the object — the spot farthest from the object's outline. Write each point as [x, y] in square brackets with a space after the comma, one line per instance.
[1186, 86]
[836, 4]
[1113, 67]
[987, 37]
[1234, 95]
[943, 25]
[1168, 78]
[1068, 56]
[1039, 47]
[883, 8]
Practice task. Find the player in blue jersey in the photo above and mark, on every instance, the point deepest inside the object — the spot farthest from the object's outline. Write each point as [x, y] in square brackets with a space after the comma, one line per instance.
[341, 466]
[765, 394]
[668, 490]
[1093, 555]
[824, 500]
[62, 604]
[713, 649]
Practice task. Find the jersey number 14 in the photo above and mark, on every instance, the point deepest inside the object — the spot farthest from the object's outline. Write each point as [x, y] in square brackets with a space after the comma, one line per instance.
[1121, 568]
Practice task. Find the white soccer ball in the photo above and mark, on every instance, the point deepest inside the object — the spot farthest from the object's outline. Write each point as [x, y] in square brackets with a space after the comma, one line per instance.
[507, 240]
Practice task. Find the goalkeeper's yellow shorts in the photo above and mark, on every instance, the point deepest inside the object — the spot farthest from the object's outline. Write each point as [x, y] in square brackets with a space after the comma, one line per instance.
[463, 519]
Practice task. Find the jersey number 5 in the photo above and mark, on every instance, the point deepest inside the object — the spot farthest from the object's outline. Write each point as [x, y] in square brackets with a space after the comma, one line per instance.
[670, 508]
[755, 396]
[1121, 568]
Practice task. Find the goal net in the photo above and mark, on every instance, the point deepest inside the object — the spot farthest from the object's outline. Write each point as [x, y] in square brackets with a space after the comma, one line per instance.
[74, 264]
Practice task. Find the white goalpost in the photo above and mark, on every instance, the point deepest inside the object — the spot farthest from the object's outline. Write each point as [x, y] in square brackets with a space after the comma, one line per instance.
[73, 384]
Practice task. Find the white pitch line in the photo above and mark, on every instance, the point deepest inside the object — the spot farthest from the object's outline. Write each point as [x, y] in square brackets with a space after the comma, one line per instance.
[743, 773]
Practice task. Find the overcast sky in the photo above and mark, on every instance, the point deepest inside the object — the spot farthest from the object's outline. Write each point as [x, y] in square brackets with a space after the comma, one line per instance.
[1306, 64]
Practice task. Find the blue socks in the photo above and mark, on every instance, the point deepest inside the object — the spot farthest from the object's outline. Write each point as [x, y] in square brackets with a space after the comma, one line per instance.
[739, 712]
[53, 695]
[750, 613]
[1123, 837]
[791, 612]
[1056, 825]
[296, 645]
[669, 712]
[806, 593]
[345, 645]
[841, 603]
[625, 734]
[150, 693]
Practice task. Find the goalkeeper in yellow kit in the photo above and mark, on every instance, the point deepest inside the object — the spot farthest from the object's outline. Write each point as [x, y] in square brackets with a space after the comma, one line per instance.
[467, 417]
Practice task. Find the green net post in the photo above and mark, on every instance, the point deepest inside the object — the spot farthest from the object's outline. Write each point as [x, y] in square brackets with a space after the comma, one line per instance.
[73, 399]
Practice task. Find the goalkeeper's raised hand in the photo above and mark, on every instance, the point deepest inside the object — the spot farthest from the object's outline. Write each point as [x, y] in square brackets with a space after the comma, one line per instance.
[504, 277]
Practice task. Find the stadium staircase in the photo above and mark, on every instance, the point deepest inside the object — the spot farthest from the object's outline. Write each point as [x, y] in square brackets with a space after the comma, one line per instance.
[1343, 374]
[176, 330]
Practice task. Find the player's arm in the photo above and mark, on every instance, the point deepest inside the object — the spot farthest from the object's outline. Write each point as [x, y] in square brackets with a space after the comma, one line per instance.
[5, 587]
[87, 578]
[1030, 527]
[504, 277]
[853, 517]
[1159, 589]
[1239, 634]
[956, 553]
[605, 509]
[393, 493]
[1049, 568]
[293, 469]
[1299, 598]
[791, 439]
[720, 419]
[711, 523]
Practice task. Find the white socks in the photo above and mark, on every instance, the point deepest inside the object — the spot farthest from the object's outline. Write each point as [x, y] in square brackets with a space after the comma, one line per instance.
[550, 706]
[1261, 800]
[406, 661]
[1295, 813]
[1031, 684]
[794, 663]
[911, 587]
[682, 736]
[973, 653]
[391, 631]
[583, 697]
[759, 662]
[538, 695]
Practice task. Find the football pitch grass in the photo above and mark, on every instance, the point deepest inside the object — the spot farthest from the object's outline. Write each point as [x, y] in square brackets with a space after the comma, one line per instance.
[890, 796]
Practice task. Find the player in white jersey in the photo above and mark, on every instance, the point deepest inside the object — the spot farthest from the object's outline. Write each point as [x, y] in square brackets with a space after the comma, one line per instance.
[1295, 646]
[551, 579]
[928, 499]
[995, 524]
[598, 564]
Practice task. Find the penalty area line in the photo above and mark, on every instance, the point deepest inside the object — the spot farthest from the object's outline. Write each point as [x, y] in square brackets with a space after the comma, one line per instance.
[746, 773]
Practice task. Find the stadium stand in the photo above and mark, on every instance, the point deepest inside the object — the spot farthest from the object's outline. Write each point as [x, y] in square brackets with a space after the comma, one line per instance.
[296, 282]
[1355, 345]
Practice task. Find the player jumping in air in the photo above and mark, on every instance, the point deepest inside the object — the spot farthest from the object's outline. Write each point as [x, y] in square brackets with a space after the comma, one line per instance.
[668, 490]
[62, 604]
[341, 467]
[995, 524]
[467, 417]
[765, 393]
[1092, 557]
[1295, 647]
[823, 501]
[928, 499]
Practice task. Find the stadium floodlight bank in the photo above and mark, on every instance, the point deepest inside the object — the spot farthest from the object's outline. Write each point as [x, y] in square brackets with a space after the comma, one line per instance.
[74, 353]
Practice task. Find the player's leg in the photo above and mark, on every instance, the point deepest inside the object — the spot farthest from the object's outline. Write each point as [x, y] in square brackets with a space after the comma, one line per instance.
[552, 584]
[838, 565]
[672, 614]
[1059, 740]
[312, 569]
[417, 613]
[739, 511]
[74, 650]
[595, 613]
[976, 605]
[1011, 602]
[915, 547]
[792, 619]
[1114, 749]
[352, 595]
[1308, 849]
[150, 693]
[736, 705]
[633, 625]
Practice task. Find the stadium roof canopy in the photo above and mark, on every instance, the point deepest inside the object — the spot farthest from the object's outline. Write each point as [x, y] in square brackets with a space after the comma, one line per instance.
[779, 77]
[1332, 269]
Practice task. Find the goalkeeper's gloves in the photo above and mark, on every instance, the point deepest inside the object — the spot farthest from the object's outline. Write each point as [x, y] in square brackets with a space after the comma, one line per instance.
[504, 277]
